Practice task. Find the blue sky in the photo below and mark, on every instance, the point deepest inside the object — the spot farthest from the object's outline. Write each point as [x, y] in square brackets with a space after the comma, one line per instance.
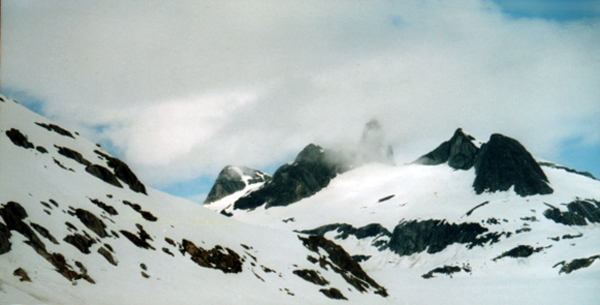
[179, 90]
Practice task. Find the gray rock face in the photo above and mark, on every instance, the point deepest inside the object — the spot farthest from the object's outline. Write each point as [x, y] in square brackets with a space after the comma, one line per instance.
[459, 152]
[230, 180]
[503, 162]
[311, 171]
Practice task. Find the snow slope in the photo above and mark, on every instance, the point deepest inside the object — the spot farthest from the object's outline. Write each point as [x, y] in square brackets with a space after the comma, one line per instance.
[233, 262]
[519, 258]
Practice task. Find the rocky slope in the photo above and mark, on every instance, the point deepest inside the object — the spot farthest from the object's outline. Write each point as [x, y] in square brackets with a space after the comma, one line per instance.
[78, 227]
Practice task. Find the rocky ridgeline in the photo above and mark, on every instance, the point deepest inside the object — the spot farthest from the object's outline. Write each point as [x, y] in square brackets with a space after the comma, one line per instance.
[500, 164]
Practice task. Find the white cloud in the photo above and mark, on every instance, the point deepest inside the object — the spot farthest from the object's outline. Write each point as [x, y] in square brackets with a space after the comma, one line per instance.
[184, 88]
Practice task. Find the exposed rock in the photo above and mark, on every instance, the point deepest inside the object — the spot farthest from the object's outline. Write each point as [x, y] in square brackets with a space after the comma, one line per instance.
[311, 276]
[386, 198]
[44, 232]
[144, 274]
[342, 263]
[576, 264]
[579, 213]
[459, 152]
[61, 165]
[57, 129]
[92, 222]
[4, 239]
[145, 214]
[13, 214]
[103, 174]
[359, 258]
[502, 163]
[476, 207]
[140, 239]
[225, 260]
[69, 153]
[166, 250]
[107, 208]
[18, 138]
[520, 251]
[107, 256]
[345, 230]
[570, 170]
[333, 293]
[123, 172]
[41, 149]
[230, 180]
[81, 242]
[448, 270]
[22, 274]
[311, 171]
[433, 235]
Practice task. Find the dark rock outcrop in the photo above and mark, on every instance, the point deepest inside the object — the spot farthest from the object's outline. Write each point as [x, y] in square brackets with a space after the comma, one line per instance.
[123, 172]
[57, 129]
[44, 232]
[141, 239]
[41, 149]
[503, 162]
[145, 214]
[567, 169]
[22, 274]
[92, 222]
[107, 255]
[5, 244]
[18, 138]
[345, 230]
[107, 208]
[576, 264]
[459, 152]
[311, 276]
[225, 260]
[230, 180]
[342, 263]
[579, 213]
[69, 153]
[311, 171]
[13, 214]
[448, 270]
[333, 293]
[433, 235]
[520, 251]
[81, 242]
[103, 174]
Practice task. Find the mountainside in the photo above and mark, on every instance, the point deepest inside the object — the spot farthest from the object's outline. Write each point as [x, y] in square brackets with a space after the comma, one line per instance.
[78, 227]
[467, 223]
[462, 219]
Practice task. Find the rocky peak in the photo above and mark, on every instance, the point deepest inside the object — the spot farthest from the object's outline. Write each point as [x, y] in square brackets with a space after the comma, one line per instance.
[459, 152]
[503, 162]
[232, 179]
[372, 147]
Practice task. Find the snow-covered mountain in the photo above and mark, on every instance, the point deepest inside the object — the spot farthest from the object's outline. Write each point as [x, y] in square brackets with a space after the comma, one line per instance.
[78, 227]
[471, 222]
[467, 223]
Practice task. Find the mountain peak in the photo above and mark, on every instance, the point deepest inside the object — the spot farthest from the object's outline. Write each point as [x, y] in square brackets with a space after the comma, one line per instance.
[504, 162]
[232, 179]
[459, 152]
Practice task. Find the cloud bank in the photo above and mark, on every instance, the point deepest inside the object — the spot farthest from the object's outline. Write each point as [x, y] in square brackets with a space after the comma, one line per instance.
[182, 88]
